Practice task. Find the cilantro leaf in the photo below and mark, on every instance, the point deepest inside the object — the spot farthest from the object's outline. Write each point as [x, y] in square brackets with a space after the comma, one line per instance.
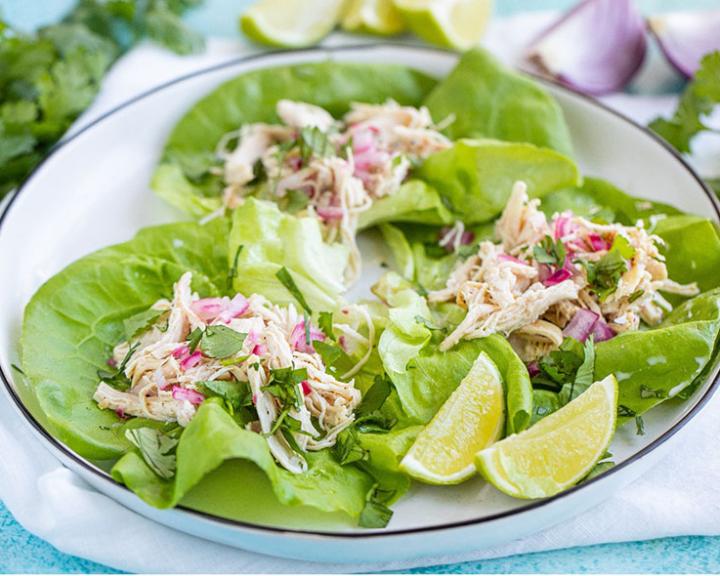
[325, 323]
[375, 397]
[584, 376]
[550, 252]
[156, 448]
[347, 449]
[699, 99]
[117, 378]
[219, 341]
[376, 514]
[314, 141]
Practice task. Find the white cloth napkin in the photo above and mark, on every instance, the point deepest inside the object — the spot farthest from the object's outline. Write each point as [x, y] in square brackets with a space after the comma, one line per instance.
[680, 496]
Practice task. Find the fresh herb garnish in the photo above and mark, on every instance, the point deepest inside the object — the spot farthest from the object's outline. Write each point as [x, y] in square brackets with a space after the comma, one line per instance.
[635, 295]
[287, 280]
[295, 201]
[49, 78]
[194, 339]
[550, 252]
[604, 275]
[284, 384]
[639, 426]
[117, 378]
[219, 341]
[141, 321]
[325, 323]
[375, 397]
[233, 269]
[584, 376]
[306, 325]
[560, 366]
[625, 411]
[347, 448]
[236, 394]
[156, 448]
[314, 141]
[376, 514]
[701, 96]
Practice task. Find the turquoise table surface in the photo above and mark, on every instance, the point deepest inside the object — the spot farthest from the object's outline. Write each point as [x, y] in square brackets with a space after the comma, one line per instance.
[20, 551]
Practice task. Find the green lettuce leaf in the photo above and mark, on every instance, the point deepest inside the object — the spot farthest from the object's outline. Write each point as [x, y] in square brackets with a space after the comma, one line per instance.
[414, 201]
[76, 317]
[423, 376]
[488, 100]
[656, 364]
[598, 198]
[271, 240]
[183, 177]
[475, 177]
[213, 437]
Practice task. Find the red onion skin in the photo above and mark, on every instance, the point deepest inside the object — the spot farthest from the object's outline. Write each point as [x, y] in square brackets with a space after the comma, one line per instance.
[617, 58]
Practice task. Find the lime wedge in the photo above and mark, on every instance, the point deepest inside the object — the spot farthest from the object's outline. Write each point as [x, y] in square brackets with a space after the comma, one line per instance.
[558, 451]
[373, 17]
[471, 419]
[291, 23]
[457, 24]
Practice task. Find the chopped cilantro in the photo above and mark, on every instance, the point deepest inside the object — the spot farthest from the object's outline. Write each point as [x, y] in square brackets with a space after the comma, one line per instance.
[287, 280]
[117, 378]
[701, 96]
[194, 339]
[376, 514]
[550, 252]
[220, 341]
[314, 141]
[347, 449]
[647, 392]
[284, 384]
[156, 448]
[604, 275]
[233, 269]
[325, 322]
[584, 376]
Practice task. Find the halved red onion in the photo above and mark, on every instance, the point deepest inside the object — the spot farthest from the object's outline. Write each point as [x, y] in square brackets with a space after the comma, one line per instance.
[601, 331]
[685, 37]
[192, 396]
[581, 325]
[596, 48]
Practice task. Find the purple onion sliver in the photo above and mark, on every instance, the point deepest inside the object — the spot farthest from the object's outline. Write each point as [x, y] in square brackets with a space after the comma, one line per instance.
[581, 325]
[601, 331]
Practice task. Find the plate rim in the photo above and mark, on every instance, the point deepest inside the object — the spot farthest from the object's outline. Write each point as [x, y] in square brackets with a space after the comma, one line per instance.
[326, 534]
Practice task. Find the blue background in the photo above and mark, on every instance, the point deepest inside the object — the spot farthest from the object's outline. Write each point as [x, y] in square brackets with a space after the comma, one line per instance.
[20, 551]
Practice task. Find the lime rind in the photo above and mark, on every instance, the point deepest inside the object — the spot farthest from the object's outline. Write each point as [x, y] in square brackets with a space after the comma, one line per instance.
[497, 465]
[471, 418]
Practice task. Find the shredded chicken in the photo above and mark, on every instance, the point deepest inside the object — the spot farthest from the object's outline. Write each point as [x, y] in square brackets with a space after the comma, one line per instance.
[364, 157]
[164, 373]
[505, 289]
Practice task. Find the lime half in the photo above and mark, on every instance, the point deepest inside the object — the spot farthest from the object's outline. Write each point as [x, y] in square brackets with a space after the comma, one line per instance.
[471, 419]
[457, 24]
[558, 451]
[291, 23]
[373, 17]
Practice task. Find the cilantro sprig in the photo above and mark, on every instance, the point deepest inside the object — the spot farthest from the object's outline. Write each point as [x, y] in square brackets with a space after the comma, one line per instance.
[48, 79]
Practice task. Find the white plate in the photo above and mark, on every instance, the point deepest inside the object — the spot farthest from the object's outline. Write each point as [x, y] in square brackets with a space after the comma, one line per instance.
[93, 191]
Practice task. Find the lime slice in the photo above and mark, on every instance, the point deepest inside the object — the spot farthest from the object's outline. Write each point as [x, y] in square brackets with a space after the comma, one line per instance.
[471, 419]
[373, 17]
[558, 451]
[457, 24]
[291, 23]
